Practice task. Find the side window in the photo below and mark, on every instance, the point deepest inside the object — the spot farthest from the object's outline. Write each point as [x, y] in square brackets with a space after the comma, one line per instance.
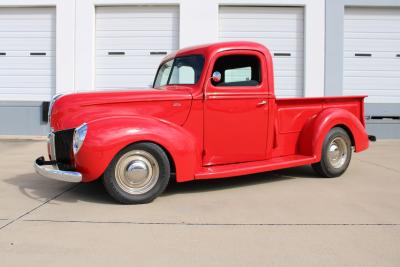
[182, 75]
[238, 70]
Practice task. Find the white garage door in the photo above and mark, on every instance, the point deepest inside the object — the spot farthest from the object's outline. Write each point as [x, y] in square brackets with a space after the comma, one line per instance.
[27, 53]
[372, 53]
[130, 43]
[278, 28]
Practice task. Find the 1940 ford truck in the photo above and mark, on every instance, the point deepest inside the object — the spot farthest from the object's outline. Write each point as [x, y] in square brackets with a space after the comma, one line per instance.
[211, 113]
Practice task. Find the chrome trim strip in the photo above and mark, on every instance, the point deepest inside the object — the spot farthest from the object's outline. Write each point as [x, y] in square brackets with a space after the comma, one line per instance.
[52, 101]
[52, 173]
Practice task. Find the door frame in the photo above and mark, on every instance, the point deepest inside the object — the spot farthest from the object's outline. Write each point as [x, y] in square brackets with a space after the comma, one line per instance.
[230, 92]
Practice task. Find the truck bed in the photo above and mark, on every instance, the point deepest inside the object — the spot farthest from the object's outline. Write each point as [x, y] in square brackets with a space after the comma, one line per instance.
[291, 115]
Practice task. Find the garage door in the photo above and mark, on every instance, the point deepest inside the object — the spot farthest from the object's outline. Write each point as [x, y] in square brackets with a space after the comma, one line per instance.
[27, 53]
[372, 53]
[278, 28]
[131, 41]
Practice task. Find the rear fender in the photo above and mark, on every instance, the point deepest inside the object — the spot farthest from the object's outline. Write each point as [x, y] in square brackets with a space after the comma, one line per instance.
[315, 130]
[107, 136]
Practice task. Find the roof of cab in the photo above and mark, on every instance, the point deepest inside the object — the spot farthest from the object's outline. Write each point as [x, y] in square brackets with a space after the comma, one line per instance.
[209, 49]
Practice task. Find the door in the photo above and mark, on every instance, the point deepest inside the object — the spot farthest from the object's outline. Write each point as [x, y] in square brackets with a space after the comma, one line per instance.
[130, 43]
[235, 110]
[27, 53]
[372, 53]
[281, 29]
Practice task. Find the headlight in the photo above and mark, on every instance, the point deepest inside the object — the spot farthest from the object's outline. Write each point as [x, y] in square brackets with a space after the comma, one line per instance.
[79, 137]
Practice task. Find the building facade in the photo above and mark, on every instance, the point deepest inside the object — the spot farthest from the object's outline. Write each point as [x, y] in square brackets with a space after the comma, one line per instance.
[332, 47]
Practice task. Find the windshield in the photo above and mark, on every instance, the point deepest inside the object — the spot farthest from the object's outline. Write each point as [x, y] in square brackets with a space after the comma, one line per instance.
[180, 70]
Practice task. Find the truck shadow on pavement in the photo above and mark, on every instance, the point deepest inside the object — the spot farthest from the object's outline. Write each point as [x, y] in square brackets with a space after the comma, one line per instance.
[43, 189]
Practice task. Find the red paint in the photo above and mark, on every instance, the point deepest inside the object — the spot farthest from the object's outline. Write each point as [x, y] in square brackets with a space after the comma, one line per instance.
[210, 132]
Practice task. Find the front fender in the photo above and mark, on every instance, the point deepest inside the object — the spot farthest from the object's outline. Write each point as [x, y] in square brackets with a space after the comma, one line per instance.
[107, 136]
[314, 132]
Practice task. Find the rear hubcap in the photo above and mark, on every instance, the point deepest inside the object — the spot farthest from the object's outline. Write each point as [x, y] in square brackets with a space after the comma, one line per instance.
[337, 152]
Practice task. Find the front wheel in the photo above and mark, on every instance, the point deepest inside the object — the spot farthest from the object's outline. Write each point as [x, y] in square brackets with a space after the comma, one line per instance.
[137, 174]
[336, 154]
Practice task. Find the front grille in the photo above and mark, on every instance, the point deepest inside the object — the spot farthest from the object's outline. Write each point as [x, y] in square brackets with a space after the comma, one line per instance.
[63, 149]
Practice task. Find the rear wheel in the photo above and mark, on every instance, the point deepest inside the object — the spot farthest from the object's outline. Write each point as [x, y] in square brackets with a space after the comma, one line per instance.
[137, 174]
[336, 154]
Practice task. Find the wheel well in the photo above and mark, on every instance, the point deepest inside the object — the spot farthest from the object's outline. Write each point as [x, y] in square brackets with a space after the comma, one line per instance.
[344, 127]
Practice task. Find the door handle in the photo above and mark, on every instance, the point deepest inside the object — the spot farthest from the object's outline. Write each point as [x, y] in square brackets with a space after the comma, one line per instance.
[262, 103]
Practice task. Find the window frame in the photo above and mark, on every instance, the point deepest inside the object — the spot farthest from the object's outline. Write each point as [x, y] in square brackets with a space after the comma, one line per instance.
[172, 68]
[252, 62]
[262, 87]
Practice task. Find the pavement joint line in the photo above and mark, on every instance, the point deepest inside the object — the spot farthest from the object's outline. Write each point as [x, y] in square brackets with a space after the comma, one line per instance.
[211, 224]
[39, 206]
[379, 165]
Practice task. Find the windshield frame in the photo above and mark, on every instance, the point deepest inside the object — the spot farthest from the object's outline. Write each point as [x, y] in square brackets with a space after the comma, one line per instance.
[172, 68]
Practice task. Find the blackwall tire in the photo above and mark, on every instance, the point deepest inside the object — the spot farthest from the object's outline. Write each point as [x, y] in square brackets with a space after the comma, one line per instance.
[336, 154]
[138, 174]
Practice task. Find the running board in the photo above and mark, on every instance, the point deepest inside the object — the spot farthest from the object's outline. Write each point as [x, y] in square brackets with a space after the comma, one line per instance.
[237, 169]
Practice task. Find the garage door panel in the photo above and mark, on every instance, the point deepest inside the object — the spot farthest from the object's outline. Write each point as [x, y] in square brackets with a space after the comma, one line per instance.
[372, 73]
[264, 34]
[375, 93]
[273, 44]
[24, 63]
[392, 55]
[285, 64]
[373, 13]
[288, 82]
[136, 31]
[138, 24]
[290, 73]
[24, 31]
[26, 81]
[32, 13]
[375, 32]
[122, 81]
[137, 11]
[371, 36]
[373, 83]
[25, 72]
[371, 64]
[280, 29]
[289, 93]
[386, 26]
[127, 62]
[130, 34]
[132, 52]
[262, 25]
[21, 92]
[140, 43]
[234, 12]
[371, 44]
[127, 71]
[23, 25]
[26, 35]
[42, 44]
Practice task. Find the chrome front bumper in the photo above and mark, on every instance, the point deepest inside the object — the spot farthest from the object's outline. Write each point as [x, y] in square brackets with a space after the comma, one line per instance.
[52, 172]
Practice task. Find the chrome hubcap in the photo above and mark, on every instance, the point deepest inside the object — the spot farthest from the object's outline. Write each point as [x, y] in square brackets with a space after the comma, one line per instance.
[337, 152]
[137, 172]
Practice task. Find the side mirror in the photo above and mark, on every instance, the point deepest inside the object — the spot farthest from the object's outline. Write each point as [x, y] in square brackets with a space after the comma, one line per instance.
[216, 76]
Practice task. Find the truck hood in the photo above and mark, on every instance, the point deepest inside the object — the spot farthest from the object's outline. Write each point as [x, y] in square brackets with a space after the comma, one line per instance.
[71, 110]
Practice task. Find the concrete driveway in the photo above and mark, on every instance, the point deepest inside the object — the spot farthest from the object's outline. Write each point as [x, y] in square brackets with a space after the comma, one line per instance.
[284, 218]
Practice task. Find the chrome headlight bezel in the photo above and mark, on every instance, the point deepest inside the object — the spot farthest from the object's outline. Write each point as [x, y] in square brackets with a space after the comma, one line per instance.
[79, 137]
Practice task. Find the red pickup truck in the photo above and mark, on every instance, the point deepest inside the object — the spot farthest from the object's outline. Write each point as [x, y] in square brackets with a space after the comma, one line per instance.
[211, 113]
